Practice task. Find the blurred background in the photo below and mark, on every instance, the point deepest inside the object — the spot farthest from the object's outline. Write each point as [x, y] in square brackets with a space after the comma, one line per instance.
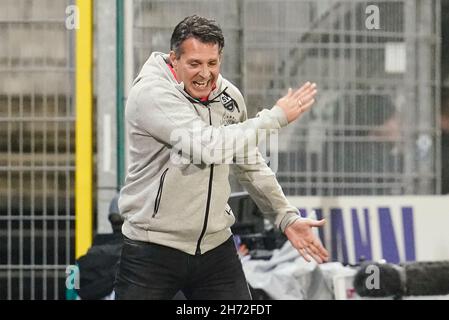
[380, 126]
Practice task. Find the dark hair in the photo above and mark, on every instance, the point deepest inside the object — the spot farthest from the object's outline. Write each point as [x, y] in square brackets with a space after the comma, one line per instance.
[205, 30]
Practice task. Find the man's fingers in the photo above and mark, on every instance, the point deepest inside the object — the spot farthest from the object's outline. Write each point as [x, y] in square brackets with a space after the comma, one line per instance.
[317, 258]
[300, 246]
[317, 223]
[305, 102]
[307, 106]
[309, 252]
[314, 252]
[304, 90]
[314, 248]
[320, 250]
[304, 254]
[297, 101]
[304, 107]
[309, 96]
[304, 87]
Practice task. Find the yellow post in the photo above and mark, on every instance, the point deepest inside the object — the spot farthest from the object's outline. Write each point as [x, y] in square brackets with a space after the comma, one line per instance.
[83, 175]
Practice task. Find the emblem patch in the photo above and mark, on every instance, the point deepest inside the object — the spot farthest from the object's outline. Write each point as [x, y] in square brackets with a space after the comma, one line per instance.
[228, 102]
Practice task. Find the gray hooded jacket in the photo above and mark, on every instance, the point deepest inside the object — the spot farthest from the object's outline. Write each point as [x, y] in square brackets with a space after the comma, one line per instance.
[183, 204]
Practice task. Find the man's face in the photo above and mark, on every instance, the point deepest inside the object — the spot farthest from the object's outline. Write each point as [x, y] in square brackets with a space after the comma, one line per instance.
[198, 66]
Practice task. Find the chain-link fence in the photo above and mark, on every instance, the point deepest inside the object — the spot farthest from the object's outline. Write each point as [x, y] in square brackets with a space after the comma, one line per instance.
[374, 128]
[36, 149]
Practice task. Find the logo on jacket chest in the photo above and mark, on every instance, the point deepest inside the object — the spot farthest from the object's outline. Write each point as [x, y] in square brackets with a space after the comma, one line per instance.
[229, 103]
[228, 118]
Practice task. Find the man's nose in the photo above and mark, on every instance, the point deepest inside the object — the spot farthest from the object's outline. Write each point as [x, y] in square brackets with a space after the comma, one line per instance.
[205, 72]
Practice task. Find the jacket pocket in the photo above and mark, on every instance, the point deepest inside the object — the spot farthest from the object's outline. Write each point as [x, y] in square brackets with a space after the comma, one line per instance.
[157, 201]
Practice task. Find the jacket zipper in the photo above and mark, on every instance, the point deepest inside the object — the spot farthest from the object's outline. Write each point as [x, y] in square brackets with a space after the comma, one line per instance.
[209, 193]
[157, 202]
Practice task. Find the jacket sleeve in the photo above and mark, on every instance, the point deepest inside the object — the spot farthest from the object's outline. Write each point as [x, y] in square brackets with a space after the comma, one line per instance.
[261, 183]
[163, 113]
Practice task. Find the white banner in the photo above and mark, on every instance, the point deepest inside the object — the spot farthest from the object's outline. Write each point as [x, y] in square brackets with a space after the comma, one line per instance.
[396, 229]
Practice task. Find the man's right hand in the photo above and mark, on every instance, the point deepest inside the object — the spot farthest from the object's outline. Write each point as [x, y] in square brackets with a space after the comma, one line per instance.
[295, 103]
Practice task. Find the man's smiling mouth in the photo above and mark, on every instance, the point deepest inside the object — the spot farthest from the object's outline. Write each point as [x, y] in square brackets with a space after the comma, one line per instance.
[200, 84]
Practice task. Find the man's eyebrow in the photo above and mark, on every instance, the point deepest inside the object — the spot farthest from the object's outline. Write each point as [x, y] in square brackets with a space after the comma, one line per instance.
[193, 60]
[199, 61]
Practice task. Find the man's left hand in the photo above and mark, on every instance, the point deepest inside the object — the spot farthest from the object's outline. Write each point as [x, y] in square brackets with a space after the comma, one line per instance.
[304, 240]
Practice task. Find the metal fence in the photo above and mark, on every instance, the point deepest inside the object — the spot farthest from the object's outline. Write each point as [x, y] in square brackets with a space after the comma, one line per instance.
[36, 149]
[374, 129]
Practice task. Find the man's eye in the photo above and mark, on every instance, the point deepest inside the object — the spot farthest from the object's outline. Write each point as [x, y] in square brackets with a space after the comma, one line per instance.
[194, 65]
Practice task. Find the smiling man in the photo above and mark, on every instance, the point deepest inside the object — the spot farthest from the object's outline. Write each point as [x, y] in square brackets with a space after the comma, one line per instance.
[177, 232]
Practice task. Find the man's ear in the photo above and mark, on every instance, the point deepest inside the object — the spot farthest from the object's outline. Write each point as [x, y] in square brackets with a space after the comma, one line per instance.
[173, 59]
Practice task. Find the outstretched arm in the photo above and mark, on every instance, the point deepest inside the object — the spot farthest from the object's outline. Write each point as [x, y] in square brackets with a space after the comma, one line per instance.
[261, 183]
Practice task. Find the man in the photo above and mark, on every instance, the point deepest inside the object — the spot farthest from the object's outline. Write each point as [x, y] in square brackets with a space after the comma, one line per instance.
[177, 220]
